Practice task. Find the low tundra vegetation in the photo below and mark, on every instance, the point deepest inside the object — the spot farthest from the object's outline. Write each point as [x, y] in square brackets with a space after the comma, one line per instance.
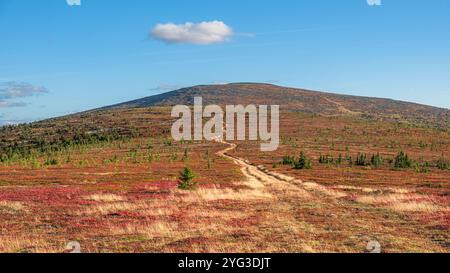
[303, 162]
[127, 194]
[401, 161]
[442, 164]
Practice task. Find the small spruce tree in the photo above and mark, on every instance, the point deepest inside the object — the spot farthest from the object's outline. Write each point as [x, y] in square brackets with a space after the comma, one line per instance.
[303, 163]
[376, 160]
[402, 161]
[361, 159]
[186, 179]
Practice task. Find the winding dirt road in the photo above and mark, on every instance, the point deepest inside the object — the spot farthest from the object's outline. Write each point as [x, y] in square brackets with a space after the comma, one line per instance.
[323, 214]
[254, 172]
[261, 174]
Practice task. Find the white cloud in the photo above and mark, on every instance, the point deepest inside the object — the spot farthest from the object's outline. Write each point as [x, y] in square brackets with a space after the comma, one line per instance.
[203, 33]
[374, 2]
[13, 90]
[73, 2]
[8, 104]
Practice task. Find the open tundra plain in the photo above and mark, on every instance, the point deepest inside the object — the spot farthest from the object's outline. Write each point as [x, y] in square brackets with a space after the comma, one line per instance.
[348, 171]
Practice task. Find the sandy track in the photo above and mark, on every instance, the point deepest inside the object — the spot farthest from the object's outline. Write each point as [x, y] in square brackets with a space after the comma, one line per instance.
[264, 176]
[292, 192]
[252, 171]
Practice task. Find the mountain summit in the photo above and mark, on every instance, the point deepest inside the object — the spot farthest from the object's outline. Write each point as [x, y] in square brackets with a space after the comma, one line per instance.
[294, 99]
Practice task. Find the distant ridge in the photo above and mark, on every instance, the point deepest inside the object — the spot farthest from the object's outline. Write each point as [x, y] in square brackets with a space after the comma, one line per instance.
[295, 100]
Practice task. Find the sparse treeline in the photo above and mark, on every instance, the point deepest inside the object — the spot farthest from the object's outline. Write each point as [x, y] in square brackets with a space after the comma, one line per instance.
[24, 142]
[303, 162]
[127, 150]
[34, 148]
[400, 161]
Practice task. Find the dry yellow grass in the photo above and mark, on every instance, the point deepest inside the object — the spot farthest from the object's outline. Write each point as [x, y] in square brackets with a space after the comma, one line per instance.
[372, 190]
[110, 208]
[149, 230]
[384, 198]
[215, 214]
[215, 194]
[11, 207]
[403, 202]
[324, 190]
[105, 198]
[413, 206]
[25, 243]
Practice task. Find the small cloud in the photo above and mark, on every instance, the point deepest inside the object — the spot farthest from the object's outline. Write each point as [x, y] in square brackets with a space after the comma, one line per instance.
[73, 2]
[13, 90]
[219, 83]
[273, 81]
[203, 33]
[165, 87]
[374, 2]
[9, 104]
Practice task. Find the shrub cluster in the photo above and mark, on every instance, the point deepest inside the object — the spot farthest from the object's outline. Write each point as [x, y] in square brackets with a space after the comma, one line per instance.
[303, 162]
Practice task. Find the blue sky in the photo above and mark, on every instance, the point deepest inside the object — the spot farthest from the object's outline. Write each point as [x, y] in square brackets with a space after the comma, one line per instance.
[57, 59]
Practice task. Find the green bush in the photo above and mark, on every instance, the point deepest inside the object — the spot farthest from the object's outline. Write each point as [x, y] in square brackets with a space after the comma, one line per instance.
[422, 167]
[51, 162]
[186, 179]
[402, 161]
[303, 163]
[35, 164]
[133, 154]
[349, 160]
[361, 159]
[376, 160]
[442, 164]
[325, 159]
[168, 142]
[328, 159]
[288, 160]
[339, 160]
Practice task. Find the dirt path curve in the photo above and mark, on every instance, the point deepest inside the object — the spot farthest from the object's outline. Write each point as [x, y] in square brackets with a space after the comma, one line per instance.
[262, 174]
[333, 215]
[252, 171]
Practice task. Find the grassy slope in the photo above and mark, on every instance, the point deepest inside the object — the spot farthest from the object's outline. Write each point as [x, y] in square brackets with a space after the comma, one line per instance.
[300, 100]
[121, 195]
